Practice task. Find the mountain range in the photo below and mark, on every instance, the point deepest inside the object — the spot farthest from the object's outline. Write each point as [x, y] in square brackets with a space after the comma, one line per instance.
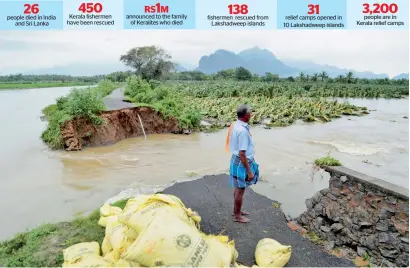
[256, 60]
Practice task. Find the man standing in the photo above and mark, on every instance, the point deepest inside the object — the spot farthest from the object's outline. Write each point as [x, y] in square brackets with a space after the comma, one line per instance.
[244, 171]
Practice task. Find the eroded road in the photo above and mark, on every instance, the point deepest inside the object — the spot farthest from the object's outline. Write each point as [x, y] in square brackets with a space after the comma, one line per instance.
[115, 101]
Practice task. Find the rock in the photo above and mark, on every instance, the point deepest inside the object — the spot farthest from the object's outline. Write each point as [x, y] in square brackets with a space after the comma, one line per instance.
[391, 200]
[186, 132]
[330, 245]
[360, 187]
[361, 251]
[317, 197]
[389, 253]
[401, 226]
[335, 192]
[346, 220]
[319, 210]
[405, 240]
[312, 213]
[350, 234]
[336, 227]
[325, 191]
[332, 211]
[362, 214]
[403, 260]
[386, 263]
[404, 247]
[384, 238]
[365, 224]
[331, 197]
[405, 117]
[369, 241]
[382, 225]
[386, 212]
[318, 222]
[404, 207]
[343, 178]
[336, 182]
[325, 229]
[359, 196]
[205, 123]
[309, 203]
[381, 194]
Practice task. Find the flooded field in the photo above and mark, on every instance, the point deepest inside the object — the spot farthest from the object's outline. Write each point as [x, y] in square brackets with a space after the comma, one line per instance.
[39, 185]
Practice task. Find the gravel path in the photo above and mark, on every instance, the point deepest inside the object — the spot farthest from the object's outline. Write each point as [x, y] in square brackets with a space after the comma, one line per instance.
[114, 101]
[212, 198]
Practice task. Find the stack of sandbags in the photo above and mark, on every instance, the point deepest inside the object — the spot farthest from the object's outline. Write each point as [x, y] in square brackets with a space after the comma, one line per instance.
[155, 230]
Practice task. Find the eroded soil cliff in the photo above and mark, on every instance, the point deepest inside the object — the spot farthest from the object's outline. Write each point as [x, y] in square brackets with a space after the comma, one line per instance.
[119, 125]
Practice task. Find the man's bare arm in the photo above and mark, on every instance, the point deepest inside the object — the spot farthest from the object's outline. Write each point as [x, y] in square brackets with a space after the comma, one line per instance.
[245, 163]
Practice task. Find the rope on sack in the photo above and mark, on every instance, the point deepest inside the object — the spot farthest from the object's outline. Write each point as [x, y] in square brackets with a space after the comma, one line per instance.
[142, 126]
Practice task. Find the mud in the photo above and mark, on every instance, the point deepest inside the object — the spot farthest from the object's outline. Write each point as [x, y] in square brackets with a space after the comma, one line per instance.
[118, 125]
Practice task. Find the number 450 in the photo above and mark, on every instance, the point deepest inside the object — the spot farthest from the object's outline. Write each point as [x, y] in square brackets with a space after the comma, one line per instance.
[90, 7]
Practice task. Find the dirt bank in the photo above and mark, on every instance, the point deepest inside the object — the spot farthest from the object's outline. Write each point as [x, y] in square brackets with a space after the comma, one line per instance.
[119, 125]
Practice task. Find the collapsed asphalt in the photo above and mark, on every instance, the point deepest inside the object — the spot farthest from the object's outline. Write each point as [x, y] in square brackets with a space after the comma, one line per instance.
[212, 198]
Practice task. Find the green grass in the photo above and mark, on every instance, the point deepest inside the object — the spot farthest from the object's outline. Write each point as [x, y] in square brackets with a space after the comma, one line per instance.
[327, 161]
[5, 86]
[79, 103]
[314, 238]
[43, 246]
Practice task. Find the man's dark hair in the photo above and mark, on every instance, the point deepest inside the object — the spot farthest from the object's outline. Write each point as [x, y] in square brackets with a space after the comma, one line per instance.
[243, 110]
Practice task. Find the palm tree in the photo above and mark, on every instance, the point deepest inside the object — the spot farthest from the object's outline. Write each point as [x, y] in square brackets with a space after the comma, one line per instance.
[301, 76]
[340, 79]
[323, 75]
[349, 77]
[315, 77]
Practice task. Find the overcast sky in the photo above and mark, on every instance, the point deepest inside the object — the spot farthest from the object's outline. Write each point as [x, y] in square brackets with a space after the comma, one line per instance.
[376, 51]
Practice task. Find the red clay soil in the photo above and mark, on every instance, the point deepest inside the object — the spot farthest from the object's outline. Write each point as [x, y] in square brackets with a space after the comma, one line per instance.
[119, 125]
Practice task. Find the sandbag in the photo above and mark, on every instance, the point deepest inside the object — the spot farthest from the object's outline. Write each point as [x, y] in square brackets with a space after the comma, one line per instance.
[110, 257]
[89, 261]
[124, 263]
[270, 253]
[120, 236]
[107, 210]
[106, 246]
[135, 202]
[156, 205]
[222, 247]
[103, 220]
[74, 253]
[169, 241]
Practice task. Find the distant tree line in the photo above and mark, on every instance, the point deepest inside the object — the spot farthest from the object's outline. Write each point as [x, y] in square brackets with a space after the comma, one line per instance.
[28, 79]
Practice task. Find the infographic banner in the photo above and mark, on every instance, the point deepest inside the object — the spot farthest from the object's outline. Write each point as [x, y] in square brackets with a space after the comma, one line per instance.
[204, 14]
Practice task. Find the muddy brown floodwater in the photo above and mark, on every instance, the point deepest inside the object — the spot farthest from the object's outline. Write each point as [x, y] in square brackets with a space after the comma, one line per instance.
[39, 185]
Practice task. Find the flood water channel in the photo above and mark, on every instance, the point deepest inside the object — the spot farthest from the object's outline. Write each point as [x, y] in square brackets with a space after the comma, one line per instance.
[39, 185]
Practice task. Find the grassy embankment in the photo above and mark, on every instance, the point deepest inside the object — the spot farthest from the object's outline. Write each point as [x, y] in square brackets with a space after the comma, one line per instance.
[6, 86]
[43, 246]
[86, 102]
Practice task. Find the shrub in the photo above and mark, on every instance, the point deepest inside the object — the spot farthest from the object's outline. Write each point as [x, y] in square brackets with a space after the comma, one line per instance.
[78, 103]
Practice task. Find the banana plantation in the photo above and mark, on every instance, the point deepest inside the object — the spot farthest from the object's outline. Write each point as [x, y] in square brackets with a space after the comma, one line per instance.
[273, 104]
[227, 88]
